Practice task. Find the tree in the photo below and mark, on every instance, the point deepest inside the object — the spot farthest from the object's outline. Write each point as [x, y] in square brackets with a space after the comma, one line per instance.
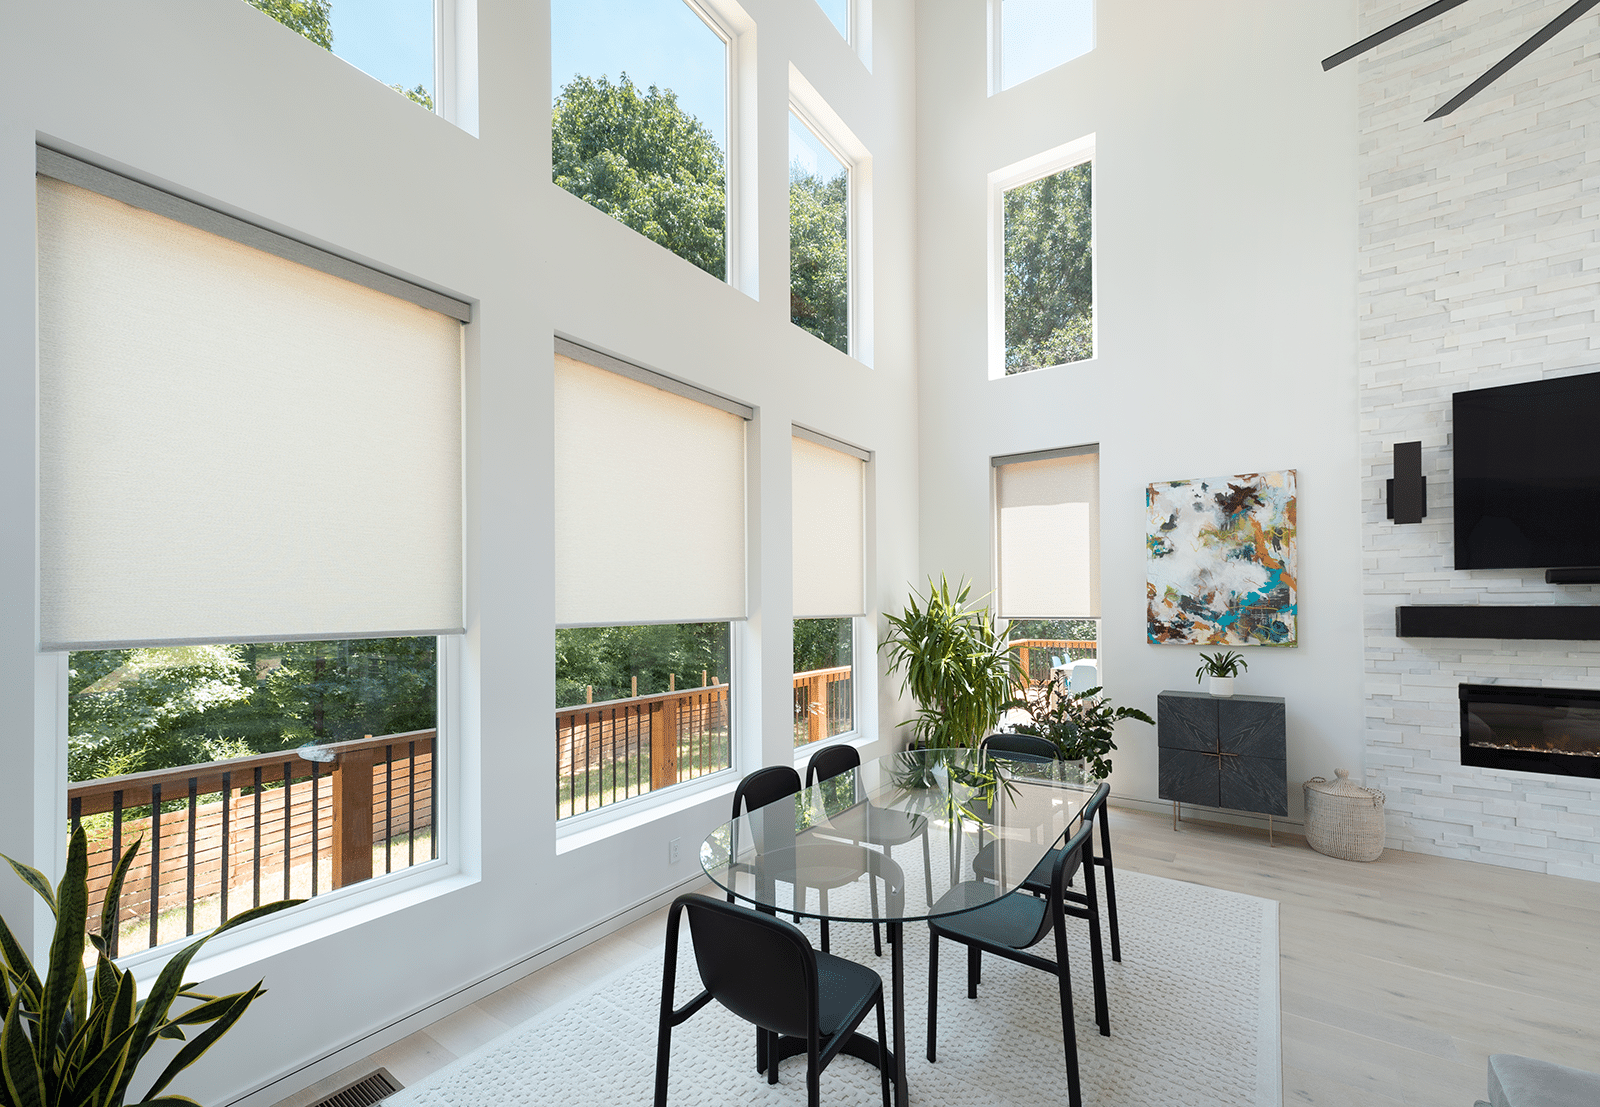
[607, 659]
[821, 644]
[1049, 271]
[645, 162]
[308, 17]
[819, 258]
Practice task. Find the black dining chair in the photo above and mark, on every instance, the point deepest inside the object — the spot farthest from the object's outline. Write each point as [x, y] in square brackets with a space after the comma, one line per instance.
[1020, 747]
[1038, 880]
[765, 971]
[1008, 927]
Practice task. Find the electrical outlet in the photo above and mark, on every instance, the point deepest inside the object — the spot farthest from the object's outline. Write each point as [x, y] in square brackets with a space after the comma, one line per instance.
[672, 850]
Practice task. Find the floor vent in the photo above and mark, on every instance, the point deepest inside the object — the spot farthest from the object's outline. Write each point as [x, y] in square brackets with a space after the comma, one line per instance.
[365, 1092]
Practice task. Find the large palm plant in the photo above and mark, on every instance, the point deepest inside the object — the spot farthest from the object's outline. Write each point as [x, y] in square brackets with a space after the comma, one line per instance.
[955, 661]
[65, 1043]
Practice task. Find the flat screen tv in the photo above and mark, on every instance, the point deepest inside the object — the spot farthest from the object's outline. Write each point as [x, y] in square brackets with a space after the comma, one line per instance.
[1527, 475]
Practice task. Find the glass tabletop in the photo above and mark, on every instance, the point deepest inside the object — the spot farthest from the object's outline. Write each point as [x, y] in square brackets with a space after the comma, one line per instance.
[910, 836]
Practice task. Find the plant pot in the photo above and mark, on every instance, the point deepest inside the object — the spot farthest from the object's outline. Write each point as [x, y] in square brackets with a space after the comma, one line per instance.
[1222, 686]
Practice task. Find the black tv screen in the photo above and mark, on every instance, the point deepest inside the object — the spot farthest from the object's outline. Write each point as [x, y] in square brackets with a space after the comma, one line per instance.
[1527, 475]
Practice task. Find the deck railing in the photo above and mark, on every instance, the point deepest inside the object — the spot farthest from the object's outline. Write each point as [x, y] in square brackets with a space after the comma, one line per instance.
[225, 836]
[1034, 654]
[824, 704]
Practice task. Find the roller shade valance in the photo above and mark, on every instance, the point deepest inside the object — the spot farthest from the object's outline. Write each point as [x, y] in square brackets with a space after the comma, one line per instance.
[650, 502]
[234, 446]
[829, 519]
[1048, 534]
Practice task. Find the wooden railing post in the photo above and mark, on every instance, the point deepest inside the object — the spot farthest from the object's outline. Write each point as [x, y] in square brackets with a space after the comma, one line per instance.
[664, 744]
[352, 817]
[1022, 660]
[817, 706]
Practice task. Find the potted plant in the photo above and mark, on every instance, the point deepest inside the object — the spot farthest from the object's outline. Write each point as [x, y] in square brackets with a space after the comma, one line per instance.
[67, 1044]
[1221, 668]
[954, 660]
[1081, 724]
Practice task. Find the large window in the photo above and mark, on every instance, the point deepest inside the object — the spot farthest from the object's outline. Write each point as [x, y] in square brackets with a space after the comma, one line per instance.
[1046, 269]
[649, 595]
[1030, 37]
[819, 236]
[639, 126]
[230, 424]
[391, 40]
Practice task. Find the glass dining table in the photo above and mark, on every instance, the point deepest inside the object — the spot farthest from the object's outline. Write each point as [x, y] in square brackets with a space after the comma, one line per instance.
[908, 837]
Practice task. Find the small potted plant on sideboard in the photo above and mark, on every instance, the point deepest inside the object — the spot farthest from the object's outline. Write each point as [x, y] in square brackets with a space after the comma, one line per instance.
[1221, 668]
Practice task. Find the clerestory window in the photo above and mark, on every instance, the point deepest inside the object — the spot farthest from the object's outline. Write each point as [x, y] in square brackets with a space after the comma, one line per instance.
[393, 41]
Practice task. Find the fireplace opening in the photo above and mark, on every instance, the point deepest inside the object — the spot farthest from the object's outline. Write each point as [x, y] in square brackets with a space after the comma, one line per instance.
[1532, 730]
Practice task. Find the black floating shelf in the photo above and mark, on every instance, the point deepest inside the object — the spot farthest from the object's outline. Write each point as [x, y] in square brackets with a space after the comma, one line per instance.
[1568, 622]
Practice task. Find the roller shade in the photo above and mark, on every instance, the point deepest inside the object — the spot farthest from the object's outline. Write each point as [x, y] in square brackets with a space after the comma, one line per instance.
[649, 497]
[234, 446]
[1048, 534]
[829, 531]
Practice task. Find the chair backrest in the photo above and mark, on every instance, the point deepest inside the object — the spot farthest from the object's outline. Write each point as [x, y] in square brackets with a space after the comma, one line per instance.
[756, 965]
[830, 761]
[1019, 747]
[765, 786]
[1068, 862]
[1084, 675]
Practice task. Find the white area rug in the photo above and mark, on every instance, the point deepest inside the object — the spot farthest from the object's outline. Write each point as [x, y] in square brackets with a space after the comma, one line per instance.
[1194, 1021]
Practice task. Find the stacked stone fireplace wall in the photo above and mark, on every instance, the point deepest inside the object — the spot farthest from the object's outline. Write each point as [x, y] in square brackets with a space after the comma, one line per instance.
[1479, 266]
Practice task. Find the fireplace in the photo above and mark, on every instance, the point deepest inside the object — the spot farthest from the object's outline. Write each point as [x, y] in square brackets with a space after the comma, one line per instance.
[1533, 730]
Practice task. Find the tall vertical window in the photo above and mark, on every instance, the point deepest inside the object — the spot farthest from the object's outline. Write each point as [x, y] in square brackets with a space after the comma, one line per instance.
[230, 423]
[390, 40]
[829, 521]
[639, 126]
[819, 234]
[647, 600]
[1047, 559]
[1046, 268]
[1030, 37]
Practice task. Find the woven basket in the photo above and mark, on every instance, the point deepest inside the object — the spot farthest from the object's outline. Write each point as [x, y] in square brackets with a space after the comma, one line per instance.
[1344, 819]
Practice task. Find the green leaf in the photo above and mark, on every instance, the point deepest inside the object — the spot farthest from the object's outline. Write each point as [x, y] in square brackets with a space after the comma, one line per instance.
[109, 907]
[169, 1101]
[65, 974]
[100, 1073]
[203, 1041]
[23, 1078]
[34, 879]
[251, 916]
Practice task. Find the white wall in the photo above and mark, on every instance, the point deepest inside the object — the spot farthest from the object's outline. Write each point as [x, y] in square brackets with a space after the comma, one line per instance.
[1225, 235]
[1477, 270]
[227, 106]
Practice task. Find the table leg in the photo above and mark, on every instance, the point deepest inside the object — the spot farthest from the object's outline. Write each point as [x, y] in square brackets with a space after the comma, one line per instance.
[897, 952]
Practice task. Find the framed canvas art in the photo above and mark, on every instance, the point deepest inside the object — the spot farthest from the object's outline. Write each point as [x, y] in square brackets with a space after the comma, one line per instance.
[1220, 557]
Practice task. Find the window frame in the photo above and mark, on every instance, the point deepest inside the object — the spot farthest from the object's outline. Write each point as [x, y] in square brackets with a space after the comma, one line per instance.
[1046, 164]
[996, 33]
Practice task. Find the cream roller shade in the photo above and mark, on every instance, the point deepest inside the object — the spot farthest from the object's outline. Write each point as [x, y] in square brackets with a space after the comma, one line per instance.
[1048, 540]
[650, 513]
[233, 446]
[829, 536]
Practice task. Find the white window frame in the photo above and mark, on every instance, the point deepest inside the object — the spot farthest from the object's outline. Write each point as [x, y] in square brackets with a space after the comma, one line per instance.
[1041, 165]
[996, 28]
[830, 129]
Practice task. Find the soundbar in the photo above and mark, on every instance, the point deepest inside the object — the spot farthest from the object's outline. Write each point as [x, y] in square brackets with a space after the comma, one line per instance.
[1567, 622]
[1572, 576]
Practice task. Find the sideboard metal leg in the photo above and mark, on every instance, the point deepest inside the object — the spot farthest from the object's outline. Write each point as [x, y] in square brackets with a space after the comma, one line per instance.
[1270, 842]
[1174, 815]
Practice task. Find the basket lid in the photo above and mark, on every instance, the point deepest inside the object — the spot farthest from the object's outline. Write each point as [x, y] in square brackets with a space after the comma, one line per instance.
[1344, 786]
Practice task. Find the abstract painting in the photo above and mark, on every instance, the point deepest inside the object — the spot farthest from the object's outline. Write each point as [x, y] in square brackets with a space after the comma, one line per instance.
[1221, 561]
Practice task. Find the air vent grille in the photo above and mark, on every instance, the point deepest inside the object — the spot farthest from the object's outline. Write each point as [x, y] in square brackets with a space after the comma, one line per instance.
[365, 1092]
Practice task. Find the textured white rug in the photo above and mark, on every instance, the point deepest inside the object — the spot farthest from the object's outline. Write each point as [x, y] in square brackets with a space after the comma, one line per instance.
[1194, 1021]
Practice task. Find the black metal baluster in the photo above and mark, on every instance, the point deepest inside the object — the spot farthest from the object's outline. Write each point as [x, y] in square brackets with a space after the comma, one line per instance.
[188, 906]
[411, 811]
[586, 754]
[227, 804]
[388, 808]
[314, 819]
[433, 797]
[77, 814]
[255, 864]
[287, 828]
[155, 860]
[116, 858]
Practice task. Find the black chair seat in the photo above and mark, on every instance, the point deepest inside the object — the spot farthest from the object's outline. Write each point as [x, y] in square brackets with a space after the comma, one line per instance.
[1008, 921]
[845, 992]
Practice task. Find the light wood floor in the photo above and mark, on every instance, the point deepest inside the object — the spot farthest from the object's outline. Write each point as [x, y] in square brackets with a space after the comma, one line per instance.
[1399, 977]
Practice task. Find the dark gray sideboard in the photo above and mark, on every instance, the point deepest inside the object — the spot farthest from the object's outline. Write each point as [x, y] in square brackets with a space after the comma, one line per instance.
[1223, 752]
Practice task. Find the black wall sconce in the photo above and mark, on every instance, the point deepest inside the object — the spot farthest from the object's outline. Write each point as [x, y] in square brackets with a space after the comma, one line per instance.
[1408, 488]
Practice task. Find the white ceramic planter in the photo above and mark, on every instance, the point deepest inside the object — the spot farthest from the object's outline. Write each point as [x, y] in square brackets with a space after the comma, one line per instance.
[1222, 686]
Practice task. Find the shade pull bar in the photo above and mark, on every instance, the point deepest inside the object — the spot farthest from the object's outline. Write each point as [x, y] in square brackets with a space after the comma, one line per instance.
[1550, 30]
[1400, 27]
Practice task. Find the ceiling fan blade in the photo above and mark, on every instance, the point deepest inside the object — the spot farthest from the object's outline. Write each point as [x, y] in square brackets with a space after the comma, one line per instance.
[1549, 31]
[1399, 28]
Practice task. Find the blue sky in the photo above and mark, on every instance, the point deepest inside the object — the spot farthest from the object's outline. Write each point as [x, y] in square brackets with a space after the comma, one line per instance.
[808, 155]
[391, 40]
[1041, 34]
[657, 42]
[839, 12]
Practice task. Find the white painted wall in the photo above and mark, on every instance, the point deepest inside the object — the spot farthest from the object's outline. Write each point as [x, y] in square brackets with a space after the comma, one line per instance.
[1477, 270]
[225, 105]
[1225, 227]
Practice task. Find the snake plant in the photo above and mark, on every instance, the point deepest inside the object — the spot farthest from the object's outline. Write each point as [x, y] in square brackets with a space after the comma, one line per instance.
[72, 1041]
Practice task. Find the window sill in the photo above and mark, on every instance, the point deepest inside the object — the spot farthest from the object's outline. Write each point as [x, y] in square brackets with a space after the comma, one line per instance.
[596, 826]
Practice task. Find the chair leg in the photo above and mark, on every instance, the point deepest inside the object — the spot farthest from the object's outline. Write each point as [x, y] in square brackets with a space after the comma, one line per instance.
[974, 971]
[933, 993]
[883, 1049]
[1097, 957]
[1069, 1033]
[761, 1050]
[1111, 882]
[927, 868]
[822, 904]
[813, 1078]
[773, 1054]
[663, 1052]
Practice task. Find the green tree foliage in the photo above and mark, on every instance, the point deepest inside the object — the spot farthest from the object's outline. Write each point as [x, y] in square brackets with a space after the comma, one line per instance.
[819, 258]
[661, 656]
[139, 709]
[645, 162]
[418, 95]
[1049, 271]
[821, 644]
[307, 17]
